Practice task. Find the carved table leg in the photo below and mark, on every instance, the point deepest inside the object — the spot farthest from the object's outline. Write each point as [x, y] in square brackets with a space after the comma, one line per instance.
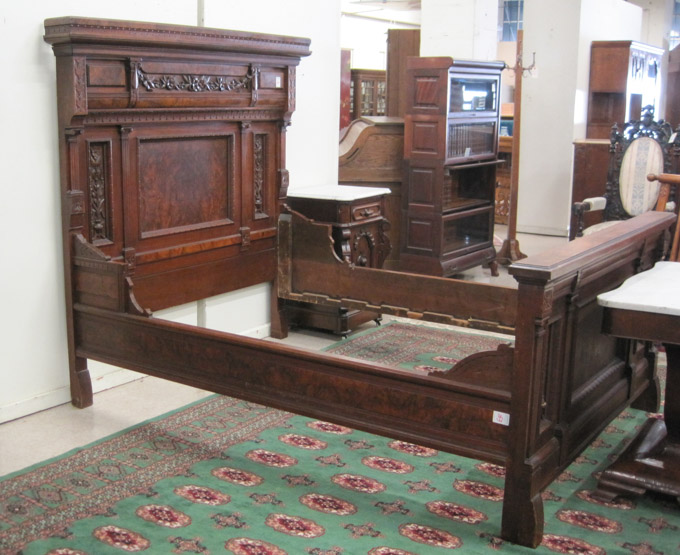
[672, 408]
[652, 461]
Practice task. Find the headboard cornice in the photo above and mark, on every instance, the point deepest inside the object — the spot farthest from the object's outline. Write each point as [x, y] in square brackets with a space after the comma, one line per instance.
[81, 30]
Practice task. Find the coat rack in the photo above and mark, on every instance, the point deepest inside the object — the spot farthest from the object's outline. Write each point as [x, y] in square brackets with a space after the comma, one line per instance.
[510, 251]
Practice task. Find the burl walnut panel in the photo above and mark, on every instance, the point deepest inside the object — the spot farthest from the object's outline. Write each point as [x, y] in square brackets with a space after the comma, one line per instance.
[185, 182]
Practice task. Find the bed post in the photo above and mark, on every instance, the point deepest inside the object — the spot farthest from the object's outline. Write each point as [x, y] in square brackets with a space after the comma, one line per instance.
[528, 462]
[73, 216]
[569, 379]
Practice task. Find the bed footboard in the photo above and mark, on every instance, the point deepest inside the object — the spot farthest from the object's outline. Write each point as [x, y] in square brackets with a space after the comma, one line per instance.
[570, 379]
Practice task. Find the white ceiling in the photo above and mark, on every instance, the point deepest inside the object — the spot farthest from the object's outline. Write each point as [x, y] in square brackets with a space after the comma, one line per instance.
[406, 11]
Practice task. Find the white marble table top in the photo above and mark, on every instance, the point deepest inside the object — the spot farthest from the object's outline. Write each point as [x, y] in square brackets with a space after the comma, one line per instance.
[656, 290]
[338, 192]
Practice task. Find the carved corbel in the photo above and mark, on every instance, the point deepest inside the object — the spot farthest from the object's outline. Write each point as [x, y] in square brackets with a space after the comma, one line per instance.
[284, 180]
[245, 238]
[134, 67]
[572, 296]
[130, 260]
[254, 84]
[132, 306]
[74, 206]
[541, 322]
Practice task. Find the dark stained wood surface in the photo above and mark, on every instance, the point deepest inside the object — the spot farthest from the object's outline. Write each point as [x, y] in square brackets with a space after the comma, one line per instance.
[560, 384]
[450, 155]
[172, 161]
[591, 162]
[401, 43]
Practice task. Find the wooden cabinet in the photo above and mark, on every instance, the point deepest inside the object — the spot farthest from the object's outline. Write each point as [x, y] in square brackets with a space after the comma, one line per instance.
[371, 154]
[368, 93]
[359, 232]
[625, 76]
[591, 162]
[673, 87]
[450, 159]
[401, 44]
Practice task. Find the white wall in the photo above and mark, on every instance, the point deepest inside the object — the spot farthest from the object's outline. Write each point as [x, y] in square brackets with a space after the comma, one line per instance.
[464, 29]
[363, 31]
[657, 18]
[33, 363]
[367, 41]
[554, 99]
[33, 357]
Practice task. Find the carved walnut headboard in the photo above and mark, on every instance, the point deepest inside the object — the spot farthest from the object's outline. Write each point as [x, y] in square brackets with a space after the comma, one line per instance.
[172, 150]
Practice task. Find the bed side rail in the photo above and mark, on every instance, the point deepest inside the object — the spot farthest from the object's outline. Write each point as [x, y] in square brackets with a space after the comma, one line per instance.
[310, 271]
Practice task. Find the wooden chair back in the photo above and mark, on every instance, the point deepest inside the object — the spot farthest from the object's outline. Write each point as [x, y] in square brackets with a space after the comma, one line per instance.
[642, 148]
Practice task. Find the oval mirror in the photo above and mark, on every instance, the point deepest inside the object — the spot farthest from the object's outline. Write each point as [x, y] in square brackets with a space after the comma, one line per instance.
[642, 157]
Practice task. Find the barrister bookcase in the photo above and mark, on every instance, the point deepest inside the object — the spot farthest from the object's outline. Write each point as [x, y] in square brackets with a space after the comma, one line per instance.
[450, 159]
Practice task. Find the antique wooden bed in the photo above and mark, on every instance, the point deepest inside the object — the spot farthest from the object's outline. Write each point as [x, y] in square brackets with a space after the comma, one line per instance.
[172, 143]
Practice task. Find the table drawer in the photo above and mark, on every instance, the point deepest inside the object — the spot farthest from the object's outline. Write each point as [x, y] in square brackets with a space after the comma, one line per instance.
[366, 211]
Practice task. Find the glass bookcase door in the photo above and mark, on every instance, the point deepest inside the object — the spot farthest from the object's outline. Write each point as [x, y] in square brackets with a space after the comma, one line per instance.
[471, 94]
[467, 188]
[467, 231]
[471, 140]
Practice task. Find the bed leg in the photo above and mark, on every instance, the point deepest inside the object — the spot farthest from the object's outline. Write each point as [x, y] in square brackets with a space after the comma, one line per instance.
[279, 322]
[81, 385]
[522, 522]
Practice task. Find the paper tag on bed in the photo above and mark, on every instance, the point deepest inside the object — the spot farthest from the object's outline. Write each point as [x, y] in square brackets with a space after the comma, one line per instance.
[502, 418]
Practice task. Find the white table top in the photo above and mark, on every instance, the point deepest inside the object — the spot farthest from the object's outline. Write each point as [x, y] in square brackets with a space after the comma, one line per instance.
[338, 192]
[656, 290]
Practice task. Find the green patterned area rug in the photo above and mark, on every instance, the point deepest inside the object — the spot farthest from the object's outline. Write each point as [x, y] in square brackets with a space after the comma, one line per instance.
[226, 476]
[417, 347]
